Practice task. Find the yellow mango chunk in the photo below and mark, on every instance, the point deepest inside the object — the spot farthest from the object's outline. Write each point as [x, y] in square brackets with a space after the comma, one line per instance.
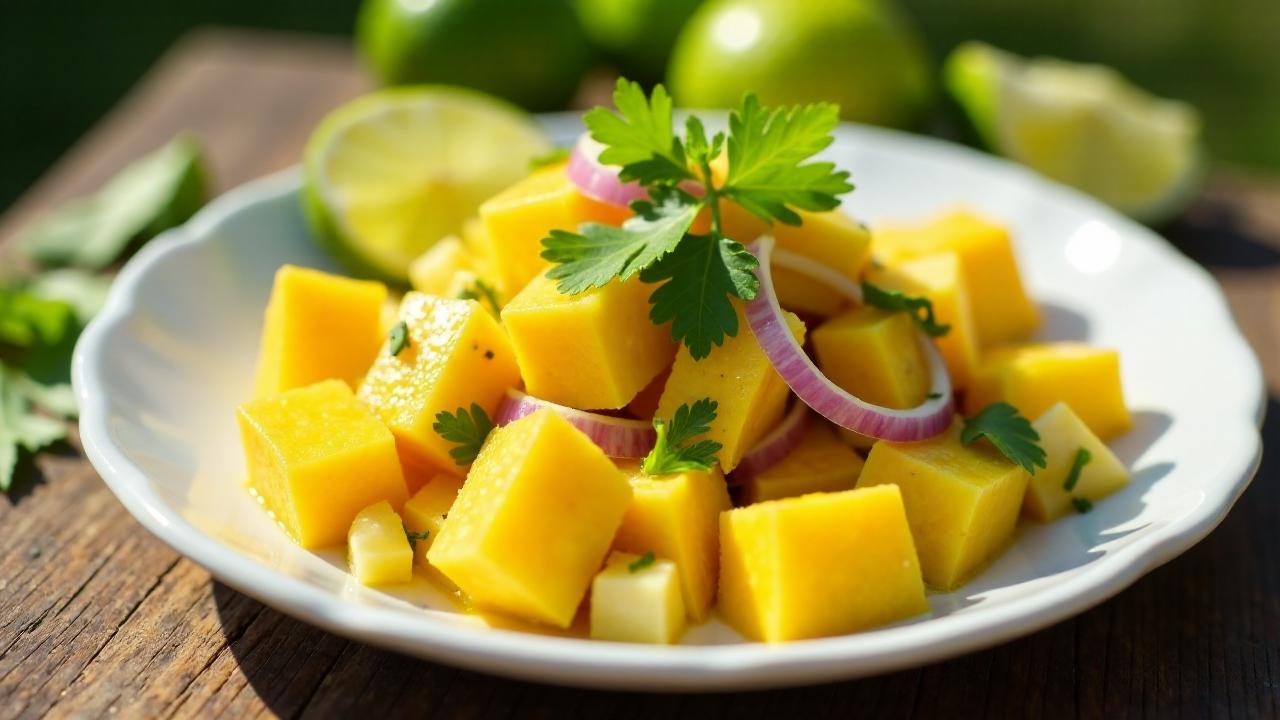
[517, 219]
[1001, 307]
[457, 355]
[962, 501]
[875, 355]
[425, 512]
[316, 457]
[677, 517]
[820, 463]
[534, 520]
[637, 601]
[1062, 435]
[941, 279]
[737, 375]
[831, 238]
[818, 565]
[432, 272]
[594, 350]
[318, 326]
[1034, 378]
[378, 551]
[645, 404]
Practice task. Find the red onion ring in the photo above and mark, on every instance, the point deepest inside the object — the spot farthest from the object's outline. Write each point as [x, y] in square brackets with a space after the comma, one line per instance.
[775, 445]
[617, 437]
[765, 317]
[598, 181]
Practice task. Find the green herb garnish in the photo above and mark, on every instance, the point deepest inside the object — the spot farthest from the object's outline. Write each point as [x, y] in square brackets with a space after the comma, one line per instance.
[554, 156]
[920, 308]
[770, 174]
[1011, 433]
[1082, 458]
[1082, 505]
[670, 454]
[414, 537]
[641, 562]
[399, 339]
[482, 292]
[466, 429]
[933, 396]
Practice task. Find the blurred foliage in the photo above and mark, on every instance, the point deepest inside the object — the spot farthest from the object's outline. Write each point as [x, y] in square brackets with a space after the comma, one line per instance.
[66, 62]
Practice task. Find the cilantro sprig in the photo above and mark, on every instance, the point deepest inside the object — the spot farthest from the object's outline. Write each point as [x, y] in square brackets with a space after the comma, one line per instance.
[672, 453]
[467, 430]
[1011, 434]
[770, 173]
[919, 308]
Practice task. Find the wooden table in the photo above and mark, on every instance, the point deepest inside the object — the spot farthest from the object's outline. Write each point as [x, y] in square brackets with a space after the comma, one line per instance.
[99, 617]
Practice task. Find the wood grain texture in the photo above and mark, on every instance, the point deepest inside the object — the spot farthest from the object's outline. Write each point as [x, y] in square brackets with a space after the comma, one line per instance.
[99, 618]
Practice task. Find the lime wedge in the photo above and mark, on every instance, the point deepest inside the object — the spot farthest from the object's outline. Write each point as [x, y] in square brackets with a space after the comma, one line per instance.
[1083, 125]
[391, 173]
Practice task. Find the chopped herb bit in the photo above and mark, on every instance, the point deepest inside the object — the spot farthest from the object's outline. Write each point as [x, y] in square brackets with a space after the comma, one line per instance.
[920, 309]
[1011, 433]
[1082, 505]
[467, 430]
[933, 396]
[641, 562]
[1082, 458]
[482, 292]
[669, 454]
[399, 339]
[770, 174]
[555, 156]
[414, 537]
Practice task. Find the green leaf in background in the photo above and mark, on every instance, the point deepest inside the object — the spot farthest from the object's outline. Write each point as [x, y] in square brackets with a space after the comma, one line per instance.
[26, 319]
[85, 292]
[21, 428]
[153, 194]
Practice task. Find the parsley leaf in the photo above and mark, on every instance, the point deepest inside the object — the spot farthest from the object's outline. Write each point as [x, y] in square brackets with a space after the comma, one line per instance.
[701, 274]
[768, 149]
[1083, 457]
[482, 292]
[670, 454]
[638, 137]
[467, 430]
[1011, 433]
[21, 428]
[641, 562]
[602, 253]
[920, 308]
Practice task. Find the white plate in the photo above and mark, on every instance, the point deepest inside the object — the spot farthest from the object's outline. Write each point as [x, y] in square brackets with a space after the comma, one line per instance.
[160, 372]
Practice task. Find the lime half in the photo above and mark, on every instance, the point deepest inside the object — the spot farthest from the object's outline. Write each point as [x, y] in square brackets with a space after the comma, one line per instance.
[391, 173]
[1083, 125]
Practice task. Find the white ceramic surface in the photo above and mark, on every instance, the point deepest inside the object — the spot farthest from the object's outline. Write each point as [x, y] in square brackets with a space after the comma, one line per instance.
[160, 372]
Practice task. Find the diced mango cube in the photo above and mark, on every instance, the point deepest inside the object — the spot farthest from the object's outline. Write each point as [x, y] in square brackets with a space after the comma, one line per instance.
[962, 501]
[594, 350]
[517, 219]
[817, 565]
[820, 463]
[875, 355]
[799, 292]
[941, 279]
[318, 326]
[738, 376]
[426, 511]
[1034, 378]
[457, 355]
[316, 457]
[1062, 435]
[432, 272]
[1001, 308]
[534, 520]
[378, 551]
[635, 601]
[678, 517]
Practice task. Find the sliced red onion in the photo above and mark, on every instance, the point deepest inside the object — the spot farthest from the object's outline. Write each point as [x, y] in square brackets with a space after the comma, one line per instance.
[776, 444]
[617, 437]
[596, 180]
[765, 317]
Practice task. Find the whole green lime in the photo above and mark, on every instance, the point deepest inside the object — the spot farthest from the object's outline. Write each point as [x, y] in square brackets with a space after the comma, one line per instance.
[861, 54]
[637, 35]
[531, 52]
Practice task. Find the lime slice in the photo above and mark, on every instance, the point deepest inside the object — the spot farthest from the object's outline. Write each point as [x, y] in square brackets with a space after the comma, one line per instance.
[1083, 125]
[391, 173]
